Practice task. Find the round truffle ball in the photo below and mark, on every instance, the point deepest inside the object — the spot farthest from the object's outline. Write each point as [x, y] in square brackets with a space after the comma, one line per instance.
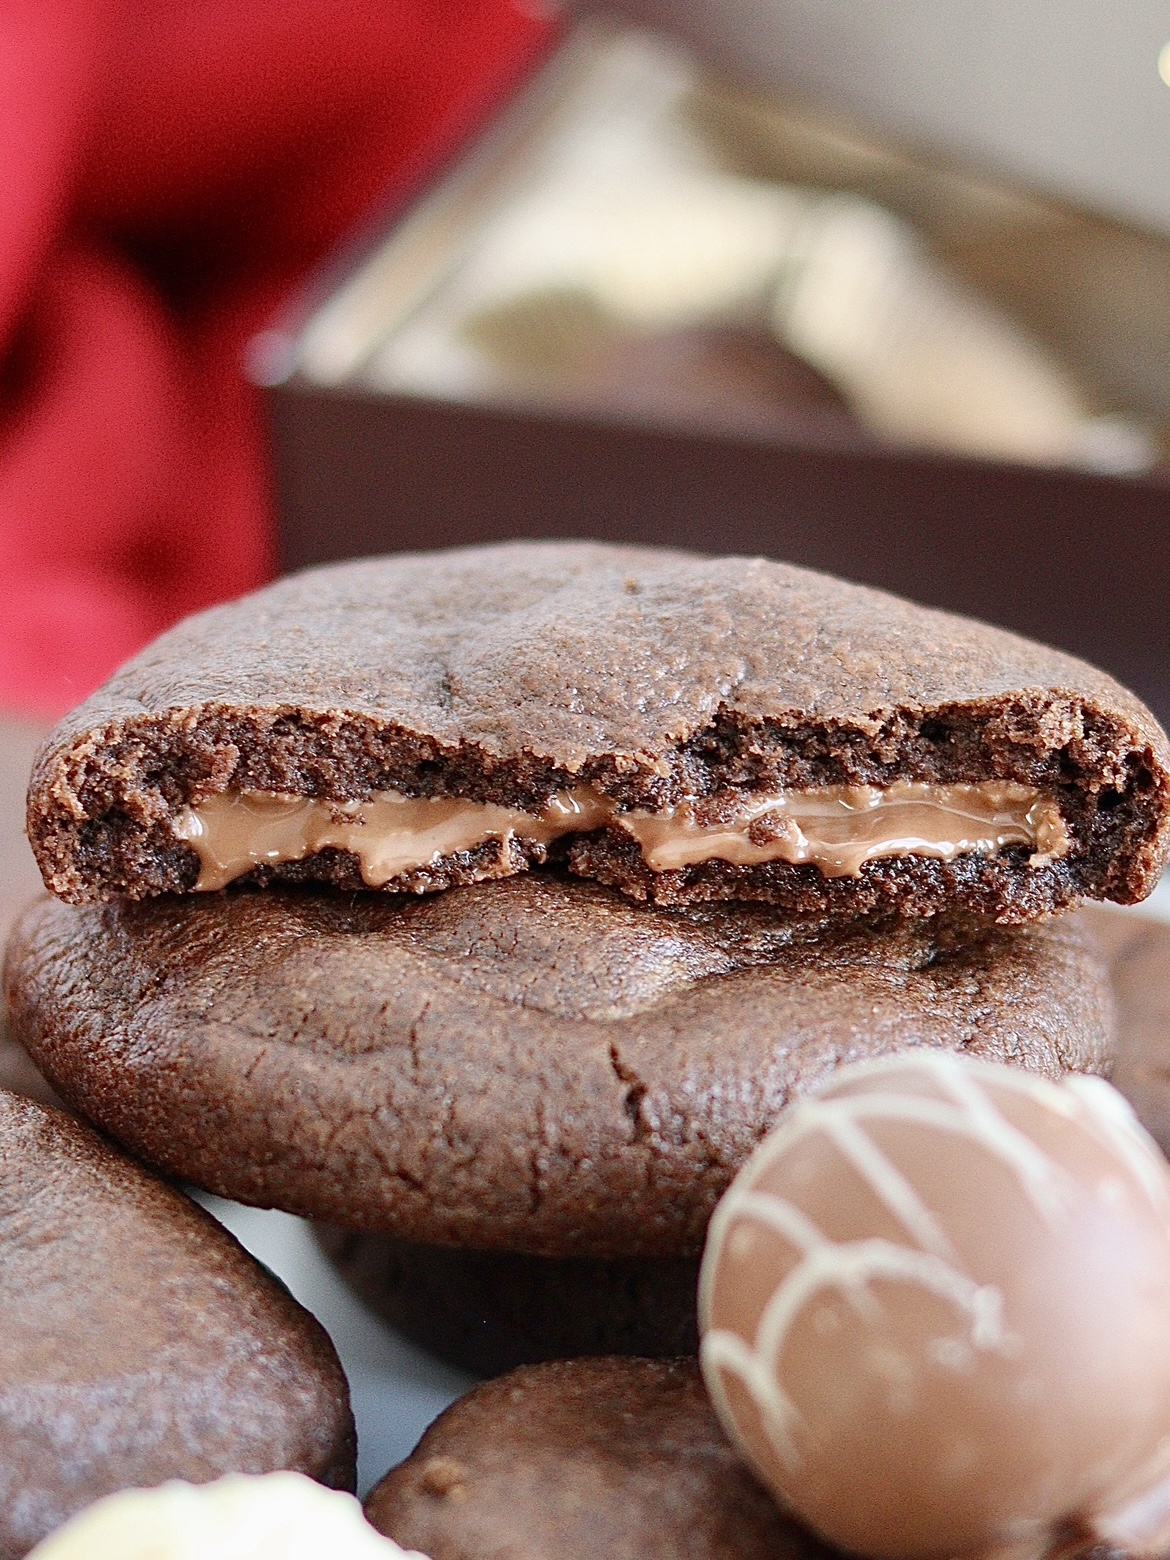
[935, 1308]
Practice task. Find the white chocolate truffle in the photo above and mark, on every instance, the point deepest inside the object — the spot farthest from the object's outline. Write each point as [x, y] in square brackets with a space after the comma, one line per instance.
[935, 1308]
[275, 1516]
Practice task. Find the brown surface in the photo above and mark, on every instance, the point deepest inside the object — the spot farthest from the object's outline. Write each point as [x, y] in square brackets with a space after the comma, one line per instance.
[615, 1458]
[532, 1065]
[505, 675]
[1074, 558]
[138, 1341]
[492, 1311]
[558, 349]
[489, 1311]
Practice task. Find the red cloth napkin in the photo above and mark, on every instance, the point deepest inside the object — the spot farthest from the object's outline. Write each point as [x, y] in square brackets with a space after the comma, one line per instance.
[170, 168]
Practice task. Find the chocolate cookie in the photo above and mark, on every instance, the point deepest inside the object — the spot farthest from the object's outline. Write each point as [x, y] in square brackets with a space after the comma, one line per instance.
[621, 1459]
[534, 1065]
[684, 728]
[138, 1341]
[491, 1311]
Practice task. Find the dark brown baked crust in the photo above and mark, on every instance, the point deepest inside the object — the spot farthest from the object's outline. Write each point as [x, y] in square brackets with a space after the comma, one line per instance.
[490, 1311]
[618, 1459]
[507, 673]
[533, 1065]
[138, 1341]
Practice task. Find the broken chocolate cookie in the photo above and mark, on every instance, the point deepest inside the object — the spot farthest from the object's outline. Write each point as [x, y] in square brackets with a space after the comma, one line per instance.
[681, 727]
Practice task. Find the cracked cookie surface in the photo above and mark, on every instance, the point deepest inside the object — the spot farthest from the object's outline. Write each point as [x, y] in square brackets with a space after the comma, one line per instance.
[532, 1065]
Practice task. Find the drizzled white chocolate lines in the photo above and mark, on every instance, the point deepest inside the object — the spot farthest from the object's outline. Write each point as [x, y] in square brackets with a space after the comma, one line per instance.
[964, 1108]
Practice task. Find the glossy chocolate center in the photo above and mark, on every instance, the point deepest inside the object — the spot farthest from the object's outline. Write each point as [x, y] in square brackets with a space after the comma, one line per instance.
[834, 828]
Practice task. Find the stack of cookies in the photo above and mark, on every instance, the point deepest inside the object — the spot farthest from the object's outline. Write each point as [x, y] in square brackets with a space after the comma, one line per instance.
[489, 906]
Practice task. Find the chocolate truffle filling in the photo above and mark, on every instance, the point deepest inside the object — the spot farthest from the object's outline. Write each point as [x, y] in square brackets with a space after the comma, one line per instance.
[835, 828]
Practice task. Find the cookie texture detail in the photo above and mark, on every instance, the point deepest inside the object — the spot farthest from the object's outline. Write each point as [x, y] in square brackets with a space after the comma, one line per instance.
[138, 1341]
[534, 1065]
[590, 1458]
[508, 674]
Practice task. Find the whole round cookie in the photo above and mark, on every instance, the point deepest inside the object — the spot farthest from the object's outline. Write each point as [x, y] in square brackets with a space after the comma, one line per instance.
[622, 1459]
[138, 1341]
[534, 1065]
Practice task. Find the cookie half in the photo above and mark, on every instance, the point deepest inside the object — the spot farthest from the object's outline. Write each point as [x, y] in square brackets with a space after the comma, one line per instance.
[684, 728]
[138, 1341]
[534, 1065]
[621, 1459]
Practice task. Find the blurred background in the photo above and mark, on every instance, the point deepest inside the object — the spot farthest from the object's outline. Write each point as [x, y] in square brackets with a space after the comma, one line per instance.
[879, 286]
[882, 288]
